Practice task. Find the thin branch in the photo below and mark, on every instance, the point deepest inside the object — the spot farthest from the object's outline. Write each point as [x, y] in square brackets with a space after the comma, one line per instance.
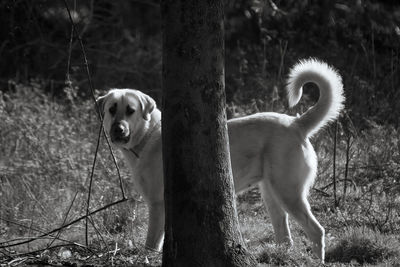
[98, 108]
[325, 194]
[68, 78]
[42, 249]
[64, 226]
[334, 164]
[99, 113]
[17, 261]
[340, 180]
[346, 170]
[98, 233]
[36, 230]
[65, 219]
[90, 184]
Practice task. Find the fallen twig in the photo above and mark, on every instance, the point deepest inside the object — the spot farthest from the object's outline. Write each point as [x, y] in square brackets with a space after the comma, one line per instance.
[25, 254]
[340, 180]
[36, 230]
[64, 226]
[321, 192]
[17, 261]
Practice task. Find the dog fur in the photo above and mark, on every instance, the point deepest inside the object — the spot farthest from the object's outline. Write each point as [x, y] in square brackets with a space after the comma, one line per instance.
[280, 157]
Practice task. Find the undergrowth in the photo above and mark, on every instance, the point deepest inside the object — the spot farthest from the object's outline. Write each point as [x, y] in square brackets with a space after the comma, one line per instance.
[362, 245]
[47, 148]
[47, 154]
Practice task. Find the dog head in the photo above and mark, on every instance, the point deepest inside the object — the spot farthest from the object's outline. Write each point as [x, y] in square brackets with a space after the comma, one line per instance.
[126, 113]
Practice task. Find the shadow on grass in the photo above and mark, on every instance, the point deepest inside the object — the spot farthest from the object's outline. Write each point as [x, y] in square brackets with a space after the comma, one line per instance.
[363, 246]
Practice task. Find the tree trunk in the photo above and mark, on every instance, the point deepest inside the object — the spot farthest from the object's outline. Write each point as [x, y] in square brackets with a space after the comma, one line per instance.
[201, 219]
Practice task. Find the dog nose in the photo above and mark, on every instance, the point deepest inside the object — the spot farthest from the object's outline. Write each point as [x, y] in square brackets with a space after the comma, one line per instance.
[119, 132]
[119, 129]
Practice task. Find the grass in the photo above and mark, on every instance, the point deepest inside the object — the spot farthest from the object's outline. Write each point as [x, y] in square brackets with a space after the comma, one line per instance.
[364, 246]
[47, 148]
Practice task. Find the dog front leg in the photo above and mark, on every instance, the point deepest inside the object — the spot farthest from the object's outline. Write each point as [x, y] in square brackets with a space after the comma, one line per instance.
[155, 232]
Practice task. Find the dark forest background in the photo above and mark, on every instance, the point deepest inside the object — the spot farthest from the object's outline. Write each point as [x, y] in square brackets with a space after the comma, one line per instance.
[49, 127]
[263, 38]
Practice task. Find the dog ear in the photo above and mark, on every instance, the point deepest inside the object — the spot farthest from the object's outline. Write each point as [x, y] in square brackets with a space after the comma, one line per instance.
[100, 104]
[148, 105]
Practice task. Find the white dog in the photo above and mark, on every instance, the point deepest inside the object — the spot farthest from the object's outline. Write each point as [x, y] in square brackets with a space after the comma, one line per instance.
[279, 157]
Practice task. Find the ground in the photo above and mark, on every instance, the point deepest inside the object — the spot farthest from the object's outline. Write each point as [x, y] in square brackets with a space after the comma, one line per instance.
[48, 149]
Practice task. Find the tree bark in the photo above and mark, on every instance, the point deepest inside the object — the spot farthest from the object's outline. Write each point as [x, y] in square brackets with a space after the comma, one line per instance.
[201, 220]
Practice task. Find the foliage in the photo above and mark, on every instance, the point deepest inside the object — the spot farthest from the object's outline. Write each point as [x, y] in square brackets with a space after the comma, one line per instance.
[275, 257]
[363, 246]
[48, 128]
[123, 47]
[47, 154]
[48, 149]
[263, 39]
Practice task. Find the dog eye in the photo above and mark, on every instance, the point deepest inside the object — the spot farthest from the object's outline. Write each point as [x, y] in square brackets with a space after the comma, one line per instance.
[129, 110]
[112, 110]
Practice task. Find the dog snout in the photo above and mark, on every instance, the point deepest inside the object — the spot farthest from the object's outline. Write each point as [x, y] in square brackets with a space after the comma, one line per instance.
[119, 132]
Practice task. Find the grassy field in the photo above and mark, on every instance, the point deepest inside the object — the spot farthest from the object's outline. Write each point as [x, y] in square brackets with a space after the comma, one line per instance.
[47, 151]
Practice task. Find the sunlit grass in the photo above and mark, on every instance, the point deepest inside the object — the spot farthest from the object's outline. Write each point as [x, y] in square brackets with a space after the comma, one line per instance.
[47, 149]
[362, 245]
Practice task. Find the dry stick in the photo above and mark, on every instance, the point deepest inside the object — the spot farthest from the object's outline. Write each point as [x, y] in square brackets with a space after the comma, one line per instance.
[98, 233]
[5, 253]
[282, 54]
[349, 143]
[340, 180]
[42, 249]
[70, 53]
[325, 194]
[100, 118]
[65, 219]
[334, 164]
[33, 229]
[98, 140]
[19, 255]
[36, 238]
[41, 238]
[29, 231]
[89, 18]
[98, 109]
[90, 184]
[64, 226]
[17, 261]
[346, 170]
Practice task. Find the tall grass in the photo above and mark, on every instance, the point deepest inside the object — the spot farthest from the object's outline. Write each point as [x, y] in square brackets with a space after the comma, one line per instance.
[362, 245]
[47, 148]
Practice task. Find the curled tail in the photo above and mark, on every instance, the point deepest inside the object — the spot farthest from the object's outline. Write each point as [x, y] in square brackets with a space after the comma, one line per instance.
[331, 98]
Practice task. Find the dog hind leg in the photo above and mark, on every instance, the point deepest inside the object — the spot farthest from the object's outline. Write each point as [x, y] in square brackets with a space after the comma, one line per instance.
[298, 207]
[301, 211]
[278, 215]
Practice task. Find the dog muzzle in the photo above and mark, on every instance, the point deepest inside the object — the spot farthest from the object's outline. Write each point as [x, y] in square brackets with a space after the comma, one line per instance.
[119, 132]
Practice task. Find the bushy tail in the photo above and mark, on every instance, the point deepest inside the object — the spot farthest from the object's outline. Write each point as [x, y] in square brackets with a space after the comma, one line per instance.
[331, 97]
